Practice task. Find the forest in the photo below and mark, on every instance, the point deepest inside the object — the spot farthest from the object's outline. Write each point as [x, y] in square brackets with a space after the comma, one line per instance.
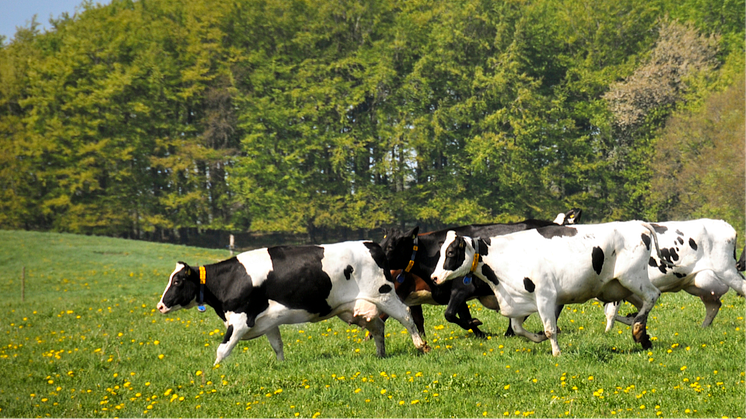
[154, 119]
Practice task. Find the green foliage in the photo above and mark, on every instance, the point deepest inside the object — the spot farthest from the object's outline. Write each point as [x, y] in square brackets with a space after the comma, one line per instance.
[143, 118]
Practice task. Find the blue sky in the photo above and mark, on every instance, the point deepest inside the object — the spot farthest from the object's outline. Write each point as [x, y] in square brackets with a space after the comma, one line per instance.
[18, 13]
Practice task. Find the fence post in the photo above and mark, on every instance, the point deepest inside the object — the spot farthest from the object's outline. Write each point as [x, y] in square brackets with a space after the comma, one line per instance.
[231, 244]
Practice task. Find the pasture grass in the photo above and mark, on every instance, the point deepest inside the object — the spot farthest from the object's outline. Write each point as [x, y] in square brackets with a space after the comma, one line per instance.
[88, 342]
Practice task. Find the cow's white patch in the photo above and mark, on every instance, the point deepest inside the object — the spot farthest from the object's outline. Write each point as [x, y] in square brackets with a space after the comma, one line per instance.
[257, 263]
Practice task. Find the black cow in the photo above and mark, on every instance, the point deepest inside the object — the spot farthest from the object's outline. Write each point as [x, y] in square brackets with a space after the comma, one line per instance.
[256, 291]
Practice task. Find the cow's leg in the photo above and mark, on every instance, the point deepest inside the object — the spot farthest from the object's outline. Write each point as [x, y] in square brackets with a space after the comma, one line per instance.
[396, 309]
[457, 312]
[712, 306]
[641, 286]
[709, 289]
[547, 313]
[629, 319]
[610, 311]
[237, 327]
[517, 323]
[275, 341]
[377, 329]
[418, 318]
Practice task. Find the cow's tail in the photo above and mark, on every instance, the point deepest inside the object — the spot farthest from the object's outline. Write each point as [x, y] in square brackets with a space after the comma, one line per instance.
[657, 248]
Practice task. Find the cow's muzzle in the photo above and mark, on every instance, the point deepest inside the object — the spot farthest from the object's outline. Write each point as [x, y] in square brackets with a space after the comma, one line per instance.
[162, 308]
[440, 277]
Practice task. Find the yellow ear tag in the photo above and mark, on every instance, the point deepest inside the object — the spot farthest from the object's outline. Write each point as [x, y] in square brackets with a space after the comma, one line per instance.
[202, 275]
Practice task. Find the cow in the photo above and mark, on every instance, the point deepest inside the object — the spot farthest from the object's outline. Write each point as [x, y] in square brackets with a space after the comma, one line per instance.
[704, 251]
[538, 270]
[256, 291]
[415, 266]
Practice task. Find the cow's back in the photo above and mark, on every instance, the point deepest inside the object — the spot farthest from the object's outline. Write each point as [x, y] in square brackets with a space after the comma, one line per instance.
[693, 246]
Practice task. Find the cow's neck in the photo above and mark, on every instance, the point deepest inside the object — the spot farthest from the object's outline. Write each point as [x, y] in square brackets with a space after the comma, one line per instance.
[212, 282]
[424, 265]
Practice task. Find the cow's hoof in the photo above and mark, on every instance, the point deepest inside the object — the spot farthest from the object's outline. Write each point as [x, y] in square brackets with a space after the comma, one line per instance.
[478, 333]
[425, 349]
[475, 322]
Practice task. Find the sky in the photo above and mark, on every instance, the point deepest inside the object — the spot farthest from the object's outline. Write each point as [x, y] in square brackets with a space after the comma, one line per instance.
[18, 13]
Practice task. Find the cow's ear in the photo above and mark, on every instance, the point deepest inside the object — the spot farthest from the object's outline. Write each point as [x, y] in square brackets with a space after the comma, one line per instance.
[413, 233]
[187, 269]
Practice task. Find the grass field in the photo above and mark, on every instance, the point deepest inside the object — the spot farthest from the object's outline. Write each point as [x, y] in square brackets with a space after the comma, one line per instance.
[88, 342]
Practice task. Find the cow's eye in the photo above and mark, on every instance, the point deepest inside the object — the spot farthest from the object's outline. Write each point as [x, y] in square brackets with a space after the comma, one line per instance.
[177, 282]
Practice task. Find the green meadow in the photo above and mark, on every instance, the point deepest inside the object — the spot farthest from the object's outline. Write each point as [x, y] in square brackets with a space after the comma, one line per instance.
[87, 341]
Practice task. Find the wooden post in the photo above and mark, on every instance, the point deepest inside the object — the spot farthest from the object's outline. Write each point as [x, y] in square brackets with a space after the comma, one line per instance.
[231, 244]
[23, 284]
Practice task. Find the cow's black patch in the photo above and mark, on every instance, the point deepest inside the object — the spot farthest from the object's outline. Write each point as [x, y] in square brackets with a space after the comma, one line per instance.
[597, 259]
[652, 263]
[384, 288]
[348, 271]
[646, 240]
[679, 232]
[553, 231]
[228, 334]
[693, 245]
[659, 228]
[233, 290]
[483, 247]
[662, 268]
[379, 257]
[680, 240]
[490, 274]
[679, 275]
[529, 284]
[674, 255]
[455, 254]
[298, 280]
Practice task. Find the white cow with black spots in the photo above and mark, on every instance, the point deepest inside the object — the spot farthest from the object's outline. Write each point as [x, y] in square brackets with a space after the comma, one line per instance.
[704, 254]
[537, 270]
[256, 291]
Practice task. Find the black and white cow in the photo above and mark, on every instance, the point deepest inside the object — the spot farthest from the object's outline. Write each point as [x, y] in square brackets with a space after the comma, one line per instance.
[538, 270]
[256, 291]
[704, 252]
[418, 255]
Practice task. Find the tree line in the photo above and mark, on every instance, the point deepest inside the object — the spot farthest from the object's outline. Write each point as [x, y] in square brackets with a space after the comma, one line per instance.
[150, 118]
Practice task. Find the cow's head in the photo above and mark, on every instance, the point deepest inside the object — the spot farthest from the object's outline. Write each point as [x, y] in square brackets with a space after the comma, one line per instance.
[182, 289]
[570, 217]
[397, 246]
[456, 256]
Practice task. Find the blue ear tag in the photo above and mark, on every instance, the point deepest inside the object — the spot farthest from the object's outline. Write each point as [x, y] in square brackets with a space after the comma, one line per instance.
[400, 278]
[467, 279]
[201, 309]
